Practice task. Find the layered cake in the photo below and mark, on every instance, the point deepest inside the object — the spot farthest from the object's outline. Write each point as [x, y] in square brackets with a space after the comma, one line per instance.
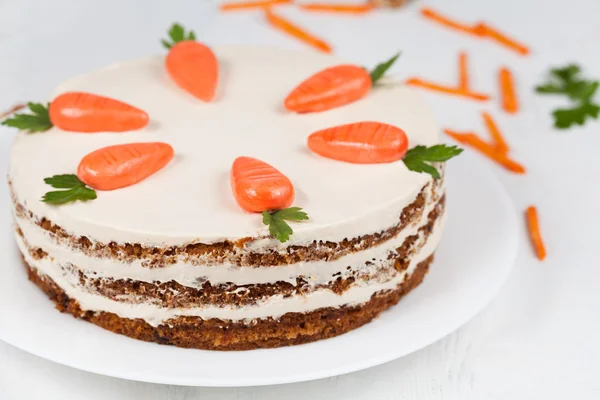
[173, 254]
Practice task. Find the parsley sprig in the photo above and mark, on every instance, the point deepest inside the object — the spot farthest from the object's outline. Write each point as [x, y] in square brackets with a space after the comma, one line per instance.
[177, 34]
[36, 121]
[76, 190]
[417, 158]
[275, 220]
[569, 82]
[380, 69]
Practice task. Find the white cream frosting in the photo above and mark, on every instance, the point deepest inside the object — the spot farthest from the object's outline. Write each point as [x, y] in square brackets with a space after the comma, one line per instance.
[190, 199]
[313, 272]
[273, 306]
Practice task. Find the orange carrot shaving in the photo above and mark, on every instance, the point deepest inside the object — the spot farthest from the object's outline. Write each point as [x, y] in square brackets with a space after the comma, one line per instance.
[497, 137]
[337, 8]
[463, 71]
[470, 139]
[12, 110]
[447, 22]
[293, 30]
[447, 89]
[485, 30]
[533, 226]
[510, 103]
[245, 5]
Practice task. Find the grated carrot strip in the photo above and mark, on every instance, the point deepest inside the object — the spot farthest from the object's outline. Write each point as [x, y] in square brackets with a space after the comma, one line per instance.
[448, 23]
[463, 71]
[510, 103]
[485, 30]
[447, 89]
[474, 141]
[245, 5]
[533, 227]
[337, 8]
[12, 110]
[497, 137]
[293, 30]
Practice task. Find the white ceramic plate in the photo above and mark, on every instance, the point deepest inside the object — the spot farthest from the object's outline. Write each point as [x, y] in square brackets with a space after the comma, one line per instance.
[477, 251]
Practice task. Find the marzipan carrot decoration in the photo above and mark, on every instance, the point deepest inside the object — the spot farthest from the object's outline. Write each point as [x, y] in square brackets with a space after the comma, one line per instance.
[535, 234]
[508, 94]
[487, 31]
[122, 165]
[337, 8]
[470, 139]
[80, 112]
[291, 29]
[246, 5]
[360, 143]
[447, 89]
[449, 23]
[192, 65]
[499, 141]
[334, 87]
[463, 72]
[258, 187]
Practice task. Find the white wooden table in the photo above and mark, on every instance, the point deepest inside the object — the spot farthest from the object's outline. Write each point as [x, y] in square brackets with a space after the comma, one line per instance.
[538, 339]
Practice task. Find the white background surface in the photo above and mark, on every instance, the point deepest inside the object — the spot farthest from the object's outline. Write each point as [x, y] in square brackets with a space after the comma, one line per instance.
[538, 339]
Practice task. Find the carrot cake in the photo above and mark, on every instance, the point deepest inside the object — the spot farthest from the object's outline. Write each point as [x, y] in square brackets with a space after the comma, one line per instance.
[176, 257]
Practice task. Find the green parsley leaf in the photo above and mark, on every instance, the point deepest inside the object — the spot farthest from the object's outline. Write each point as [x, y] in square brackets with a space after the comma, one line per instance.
[382, 68]
[77, 190]
[37, 121]
[417, 158]
[568, 81]
[177, 34]
[565, 118]
[278, 228]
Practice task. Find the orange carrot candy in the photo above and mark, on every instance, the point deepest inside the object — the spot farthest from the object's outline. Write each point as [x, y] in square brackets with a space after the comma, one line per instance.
[258, 187]
[535, 234]
[334, 87]
[299, 33]
[247, 5]
[192, 65]
[510, 103]
[114, 167]
[337, 8]
[80, 112]
[360, 143]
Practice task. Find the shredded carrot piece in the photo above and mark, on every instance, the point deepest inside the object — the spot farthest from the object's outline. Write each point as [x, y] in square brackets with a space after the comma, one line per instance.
[293, 30]
[337, 8]
[533, 226]
[497, 137]
[12, 110]
[470, 139]
[245, 5]
[510, 103]
[447, 22]
[485, 30]
[447, 89]
[463, 71]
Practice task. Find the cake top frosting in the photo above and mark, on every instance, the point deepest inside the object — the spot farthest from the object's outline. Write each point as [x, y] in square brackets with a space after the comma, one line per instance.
[190, 199]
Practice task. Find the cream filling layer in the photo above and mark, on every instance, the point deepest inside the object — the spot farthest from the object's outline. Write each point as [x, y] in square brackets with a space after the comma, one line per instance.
[274, 306]
[313, 272]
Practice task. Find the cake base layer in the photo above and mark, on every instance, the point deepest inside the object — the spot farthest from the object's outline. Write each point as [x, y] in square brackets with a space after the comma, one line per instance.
[215, 334]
